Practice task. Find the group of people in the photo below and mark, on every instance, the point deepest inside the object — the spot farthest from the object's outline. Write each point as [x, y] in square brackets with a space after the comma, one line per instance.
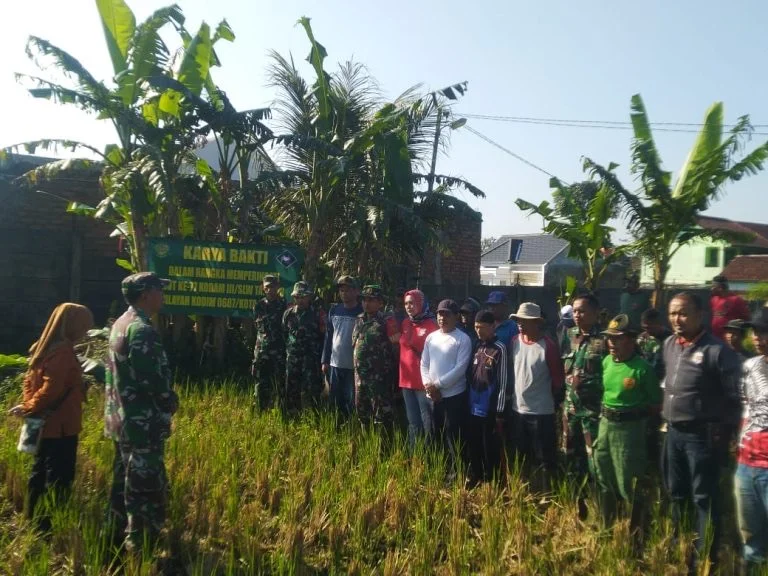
[487, 385]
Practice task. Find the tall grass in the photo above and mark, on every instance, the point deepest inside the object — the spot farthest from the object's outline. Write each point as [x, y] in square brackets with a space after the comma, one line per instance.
[256, 494]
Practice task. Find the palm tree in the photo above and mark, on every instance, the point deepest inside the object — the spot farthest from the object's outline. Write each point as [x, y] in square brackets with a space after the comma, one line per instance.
[661, 216]
[352, 201]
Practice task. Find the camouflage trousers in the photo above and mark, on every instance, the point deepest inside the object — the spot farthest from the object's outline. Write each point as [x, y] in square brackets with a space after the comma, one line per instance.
[139, 493]
[373, 399]
[580, 432]
[269, 373]
[303, 382]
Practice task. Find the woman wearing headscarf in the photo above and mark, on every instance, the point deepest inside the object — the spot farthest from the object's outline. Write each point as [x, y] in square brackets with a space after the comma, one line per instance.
[413, 332]
[53, 389]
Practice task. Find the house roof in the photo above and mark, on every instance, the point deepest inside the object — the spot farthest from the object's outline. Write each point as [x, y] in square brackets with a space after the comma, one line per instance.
[751, 268]
[760, 231]
[534, 249]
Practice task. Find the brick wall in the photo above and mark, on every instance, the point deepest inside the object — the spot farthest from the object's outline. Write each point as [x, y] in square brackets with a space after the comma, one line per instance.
[459, 264]
[48, 256]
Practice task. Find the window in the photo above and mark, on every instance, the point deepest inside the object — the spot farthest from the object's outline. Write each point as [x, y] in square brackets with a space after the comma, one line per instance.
[712, 257]
[730, 254]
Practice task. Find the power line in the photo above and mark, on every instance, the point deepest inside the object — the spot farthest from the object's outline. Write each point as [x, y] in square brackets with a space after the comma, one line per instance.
[508, 151]
[598, 124]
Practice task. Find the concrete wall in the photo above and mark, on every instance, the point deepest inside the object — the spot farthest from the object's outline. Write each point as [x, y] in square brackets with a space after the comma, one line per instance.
[687, 266]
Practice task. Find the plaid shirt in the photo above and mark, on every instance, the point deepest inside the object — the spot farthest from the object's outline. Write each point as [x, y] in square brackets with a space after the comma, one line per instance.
[753, 442]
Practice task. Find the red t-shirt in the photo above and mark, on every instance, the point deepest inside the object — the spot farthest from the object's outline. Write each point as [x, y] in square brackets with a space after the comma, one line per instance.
[412, 337]
[725, 309]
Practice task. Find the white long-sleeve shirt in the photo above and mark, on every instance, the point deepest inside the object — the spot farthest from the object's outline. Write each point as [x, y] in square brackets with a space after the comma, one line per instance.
[444, 361]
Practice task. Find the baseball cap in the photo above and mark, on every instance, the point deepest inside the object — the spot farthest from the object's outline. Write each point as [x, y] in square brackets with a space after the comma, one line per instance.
[347, 281]
[135, 284]
[270, 279]
[620, 326]
[301, 288]
[496, 297]
[470, 305]
[372, 291]
[448, 306]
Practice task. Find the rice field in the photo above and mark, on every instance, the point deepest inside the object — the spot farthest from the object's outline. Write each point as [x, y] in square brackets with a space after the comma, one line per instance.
[253, 493]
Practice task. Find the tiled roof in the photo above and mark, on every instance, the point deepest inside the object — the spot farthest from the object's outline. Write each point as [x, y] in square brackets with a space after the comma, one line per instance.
[535, 249]
[752, 268]
[759, 231]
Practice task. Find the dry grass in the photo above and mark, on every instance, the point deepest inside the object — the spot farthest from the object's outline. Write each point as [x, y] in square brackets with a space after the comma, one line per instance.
[254, 494]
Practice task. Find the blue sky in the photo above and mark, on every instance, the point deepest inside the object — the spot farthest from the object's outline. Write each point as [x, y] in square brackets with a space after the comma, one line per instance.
[553, 59]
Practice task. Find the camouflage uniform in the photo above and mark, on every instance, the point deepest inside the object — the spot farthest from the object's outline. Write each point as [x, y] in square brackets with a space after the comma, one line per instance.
[138, 406]
[269, 351]
[651, 349]
[303, 331]
[374, 364]
[583, 358]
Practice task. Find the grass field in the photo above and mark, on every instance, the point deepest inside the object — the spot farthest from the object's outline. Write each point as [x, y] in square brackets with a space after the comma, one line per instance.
[254, 494]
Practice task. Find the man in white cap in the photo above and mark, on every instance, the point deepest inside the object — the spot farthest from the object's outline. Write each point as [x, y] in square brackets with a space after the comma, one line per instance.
[539, 388]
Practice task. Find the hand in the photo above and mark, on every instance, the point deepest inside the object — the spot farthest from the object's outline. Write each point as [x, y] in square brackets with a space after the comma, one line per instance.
[325, 368]
[433, 392]
[17, 410]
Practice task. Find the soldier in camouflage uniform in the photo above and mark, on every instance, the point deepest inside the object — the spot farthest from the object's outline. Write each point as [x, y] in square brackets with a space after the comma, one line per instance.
[650, 342]
[374, 360]
[269, 352]
[583, 351]
[138, 406]
[303, 330]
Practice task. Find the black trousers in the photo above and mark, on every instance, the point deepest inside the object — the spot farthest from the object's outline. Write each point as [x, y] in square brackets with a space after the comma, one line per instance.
[54, 468]
[483, 447]
[449, 417]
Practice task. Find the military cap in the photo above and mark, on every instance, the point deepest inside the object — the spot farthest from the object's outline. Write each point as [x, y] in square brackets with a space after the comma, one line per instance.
[347, 281]
[133, 285]
[270, 279]
[372, 291]
[301, 288]
[736, 325]
[620, 326]
[759, 322]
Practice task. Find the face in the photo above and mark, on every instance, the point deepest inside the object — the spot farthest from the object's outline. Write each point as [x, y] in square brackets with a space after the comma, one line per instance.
[760, 340]
[733, 338]
[410, 306]
[151, 301]
[653, 328]
[530, 328]
[718, 289]
[348, 294]
[621, 347]
[684, 319]
[302, 302]
[447, 320]
[270, 291]
[371, 305]
[467, 318]
[584, 315]
[500, 311]
[484, 331]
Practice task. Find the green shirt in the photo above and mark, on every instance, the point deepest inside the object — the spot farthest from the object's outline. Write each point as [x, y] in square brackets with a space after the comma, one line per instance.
[629, 385]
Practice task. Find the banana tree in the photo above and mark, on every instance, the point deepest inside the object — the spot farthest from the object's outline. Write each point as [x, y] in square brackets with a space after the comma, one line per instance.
[588, 235]
[662, 216]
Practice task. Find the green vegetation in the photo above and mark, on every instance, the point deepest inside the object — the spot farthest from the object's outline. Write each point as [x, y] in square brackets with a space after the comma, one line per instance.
[252, 494]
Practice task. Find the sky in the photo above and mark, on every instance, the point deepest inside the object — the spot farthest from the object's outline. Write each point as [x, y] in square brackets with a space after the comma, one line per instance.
[546, 59]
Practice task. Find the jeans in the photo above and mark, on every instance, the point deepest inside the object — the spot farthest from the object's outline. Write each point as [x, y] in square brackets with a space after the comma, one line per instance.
[450, 415]
[54, 468]
[342, 389]
[751, 489]
[418, 409]
[691, 472]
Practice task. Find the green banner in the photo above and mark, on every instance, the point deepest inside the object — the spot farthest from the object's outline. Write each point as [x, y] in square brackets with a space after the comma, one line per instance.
[219, 279]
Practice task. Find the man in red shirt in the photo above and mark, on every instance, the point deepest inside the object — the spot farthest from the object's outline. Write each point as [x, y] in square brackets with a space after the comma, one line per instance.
[725, 306]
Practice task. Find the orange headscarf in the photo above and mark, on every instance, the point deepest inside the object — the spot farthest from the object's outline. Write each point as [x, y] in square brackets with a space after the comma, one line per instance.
[68, 324]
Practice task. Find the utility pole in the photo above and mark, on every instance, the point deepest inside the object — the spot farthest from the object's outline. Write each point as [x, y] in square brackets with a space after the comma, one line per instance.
[435, 144]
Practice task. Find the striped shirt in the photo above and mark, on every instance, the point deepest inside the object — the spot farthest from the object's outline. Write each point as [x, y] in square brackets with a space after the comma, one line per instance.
[488, 371]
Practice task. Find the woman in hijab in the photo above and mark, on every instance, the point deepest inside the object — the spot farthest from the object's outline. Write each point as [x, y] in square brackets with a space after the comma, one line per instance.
[53, 389]
[413, 332]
